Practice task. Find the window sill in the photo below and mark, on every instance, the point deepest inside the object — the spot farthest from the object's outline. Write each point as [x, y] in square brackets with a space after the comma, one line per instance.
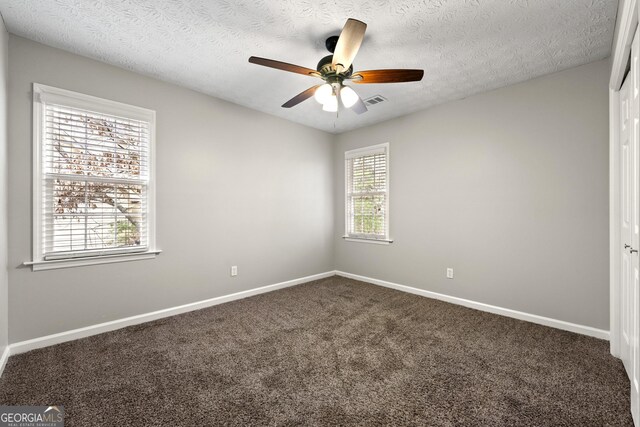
[365, 240]
[80, 262]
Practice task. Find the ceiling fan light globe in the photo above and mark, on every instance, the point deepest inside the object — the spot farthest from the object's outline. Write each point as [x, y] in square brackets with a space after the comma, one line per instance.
[348, 96]
[323, 93]
[331, 104]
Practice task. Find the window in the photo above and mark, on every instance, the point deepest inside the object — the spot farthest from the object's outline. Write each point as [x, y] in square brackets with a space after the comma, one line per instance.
[93, 179]
[367, 194]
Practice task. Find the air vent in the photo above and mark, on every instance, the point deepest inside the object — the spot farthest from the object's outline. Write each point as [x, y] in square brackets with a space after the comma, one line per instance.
[376, 99]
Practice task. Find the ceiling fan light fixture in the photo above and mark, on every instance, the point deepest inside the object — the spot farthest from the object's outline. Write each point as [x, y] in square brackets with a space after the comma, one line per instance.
[331, 104]
[323, 93]
[348, 96]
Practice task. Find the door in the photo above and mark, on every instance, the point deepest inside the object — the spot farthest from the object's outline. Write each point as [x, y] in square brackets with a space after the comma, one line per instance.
[630, 227]
[634, 187]
[626, 203]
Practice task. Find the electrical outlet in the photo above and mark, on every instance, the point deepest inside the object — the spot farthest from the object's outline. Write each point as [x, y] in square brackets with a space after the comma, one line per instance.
[234, 270]
[449, 273]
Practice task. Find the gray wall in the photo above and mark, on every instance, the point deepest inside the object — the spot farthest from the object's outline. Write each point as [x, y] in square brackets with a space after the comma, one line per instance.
[4, 278]
[509, 187]
[234, 187]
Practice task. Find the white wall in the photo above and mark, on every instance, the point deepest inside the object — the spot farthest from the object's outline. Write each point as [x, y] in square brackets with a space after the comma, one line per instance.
[4, 279]
[234, 187]
[509, 187]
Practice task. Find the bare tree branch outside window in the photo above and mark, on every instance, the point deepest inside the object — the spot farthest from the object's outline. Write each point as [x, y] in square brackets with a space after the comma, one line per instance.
[95, 163]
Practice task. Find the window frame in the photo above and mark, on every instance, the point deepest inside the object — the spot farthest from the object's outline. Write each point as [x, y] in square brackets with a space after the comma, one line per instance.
[359, 152]
[41, 93]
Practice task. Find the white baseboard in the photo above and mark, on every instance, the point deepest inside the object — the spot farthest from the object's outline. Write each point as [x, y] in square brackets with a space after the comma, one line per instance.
[49, 340]
[533, 318]
[3, 359]
[32, 344]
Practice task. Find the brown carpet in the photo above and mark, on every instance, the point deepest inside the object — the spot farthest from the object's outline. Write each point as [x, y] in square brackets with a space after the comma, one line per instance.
[330, 352]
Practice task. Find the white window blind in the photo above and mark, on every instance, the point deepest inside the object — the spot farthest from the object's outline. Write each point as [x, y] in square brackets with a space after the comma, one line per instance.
[367, 193]
[95, 175]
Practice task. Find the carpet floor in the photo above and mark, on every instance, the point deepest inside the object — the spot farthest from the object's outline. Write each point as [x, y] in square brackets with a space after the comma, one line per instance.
[329, 352]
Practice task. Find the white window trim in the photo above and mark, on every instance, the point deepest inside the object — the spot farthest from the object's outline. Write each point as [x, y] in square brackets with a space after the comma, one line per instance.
[364, 239]
[42, 93]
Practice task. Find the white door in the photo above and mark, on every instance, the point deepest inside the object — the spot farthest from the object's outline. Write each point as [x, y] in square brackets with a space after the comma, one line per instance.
[634, 241]
[626, 203]
[630, 227]
[635, 230]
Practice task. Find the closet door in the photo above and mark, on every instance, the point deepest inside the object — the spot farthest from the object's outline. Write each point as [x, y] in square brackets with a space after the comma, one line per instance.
[626, 207]
[635, 231]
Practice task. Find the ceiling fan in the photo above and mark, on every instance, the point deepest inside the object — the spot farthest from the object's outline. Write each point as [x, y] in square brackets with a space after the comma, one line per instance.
[337, 68]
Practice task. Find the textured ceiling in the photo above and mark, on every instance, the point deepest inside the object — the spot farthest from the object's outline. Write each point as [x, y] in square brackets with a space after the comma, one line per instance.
[464, 46]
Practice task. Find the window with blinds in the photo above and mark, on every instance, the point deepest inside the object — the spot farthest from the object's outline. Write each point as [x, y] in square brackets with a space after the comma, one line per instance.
[94, 176]
[367, 193]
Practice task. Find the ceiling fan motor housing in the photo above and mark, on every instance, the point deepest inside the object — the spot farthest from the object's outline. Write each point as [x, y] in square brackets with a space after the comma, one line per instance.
[326, 68]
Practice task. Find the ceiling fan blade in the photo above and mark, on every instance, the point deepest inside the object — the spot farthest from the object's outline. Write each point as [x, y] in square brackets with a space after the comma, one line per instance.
[359, 107]
[387, 76]
[283, 66]
[348, 44]
[302, 96]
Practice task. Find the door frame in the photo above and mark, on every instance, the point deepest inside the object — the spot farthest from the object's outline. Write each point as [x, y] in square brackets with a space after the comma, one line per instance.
[625, 29]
